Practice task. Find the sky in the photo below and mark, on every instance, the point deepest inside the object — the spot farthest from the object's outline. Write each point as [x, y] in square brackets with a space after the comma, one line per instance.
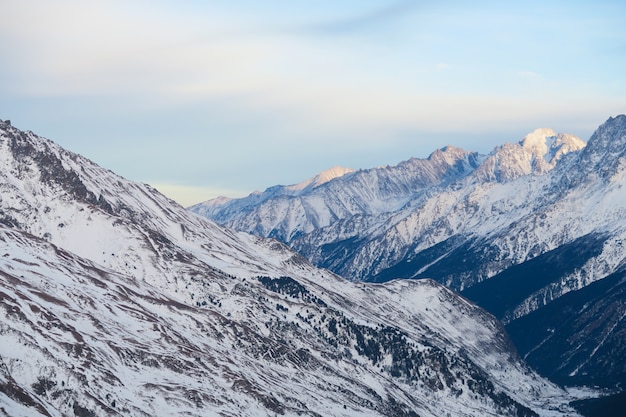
[208, 98]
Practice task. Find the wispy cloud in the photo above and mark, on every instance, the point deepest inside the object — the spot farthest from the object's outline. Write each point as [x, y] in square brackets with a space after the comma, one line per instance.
[363, 21]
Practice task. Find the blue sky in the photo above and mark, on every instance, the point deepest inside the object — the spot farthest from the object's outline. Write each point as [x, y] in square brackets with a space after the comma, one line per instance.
[204, 98]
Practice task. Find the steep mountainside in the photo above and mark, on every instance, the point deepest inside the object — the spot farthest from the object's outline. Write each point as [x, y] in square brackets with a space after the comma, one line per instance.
[531, 223]
[117, 301]
[590, 319]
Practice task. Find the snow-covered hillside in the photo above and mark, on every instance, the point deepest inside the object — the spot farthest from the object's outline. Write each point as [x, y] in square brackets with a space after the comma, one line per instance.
[523, 207]
[117, 301]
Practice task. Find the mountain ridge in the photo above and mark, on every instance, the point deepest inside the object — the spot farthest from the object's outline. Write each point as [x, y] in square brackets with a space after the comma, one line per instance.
[365, 191]
[118, 301]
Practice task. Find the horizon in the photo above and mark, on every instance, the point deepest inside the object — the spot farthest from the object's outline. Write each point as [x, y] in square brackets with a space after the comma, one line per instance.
[201, 100]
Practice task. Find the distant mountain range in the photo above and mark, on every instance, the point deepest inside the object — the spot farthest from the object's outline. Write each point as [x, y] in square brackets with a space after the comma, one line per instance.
[534, 232]
[117, 301]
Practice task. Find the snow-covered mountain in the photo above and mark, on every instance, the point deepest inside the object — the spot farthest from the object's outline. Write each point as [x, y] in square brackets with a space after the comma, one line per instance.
[397, 212]
[530, 222]
[117, 301]
[289, 212]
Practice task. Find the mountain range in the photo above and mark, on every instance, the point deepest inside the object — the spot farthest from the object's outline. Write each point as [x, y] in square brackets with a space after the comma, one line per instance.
[533, 232]
[117, 301]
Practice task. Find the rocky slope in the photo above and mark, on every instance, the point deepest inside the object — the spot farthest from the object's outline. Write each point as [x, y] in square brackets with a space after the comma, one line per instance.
[117, 301]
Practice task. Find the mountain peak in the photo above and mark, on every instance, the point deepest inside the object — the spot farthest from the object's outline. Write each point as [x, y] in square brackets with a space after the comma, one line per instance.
[537, 153]
[449, 153]
[539, 139]
[548, 144]
[604, 154]
[610, 136]
[321, 178]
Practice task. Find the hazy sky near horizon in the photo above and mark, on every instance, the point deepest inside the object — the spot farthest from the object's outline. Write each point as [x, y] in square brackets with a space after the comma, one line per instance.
[207, 98]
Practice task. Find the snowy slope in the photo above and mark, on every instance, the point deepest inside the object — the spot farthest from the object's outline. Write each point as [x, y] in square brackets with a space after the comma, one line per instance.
[76, 337]
[117, 301]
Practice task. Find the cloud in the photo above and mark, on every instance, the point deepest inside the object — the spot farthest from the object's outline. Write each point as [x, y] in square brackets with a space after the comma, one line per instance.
[88, 48]
[365, 20]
